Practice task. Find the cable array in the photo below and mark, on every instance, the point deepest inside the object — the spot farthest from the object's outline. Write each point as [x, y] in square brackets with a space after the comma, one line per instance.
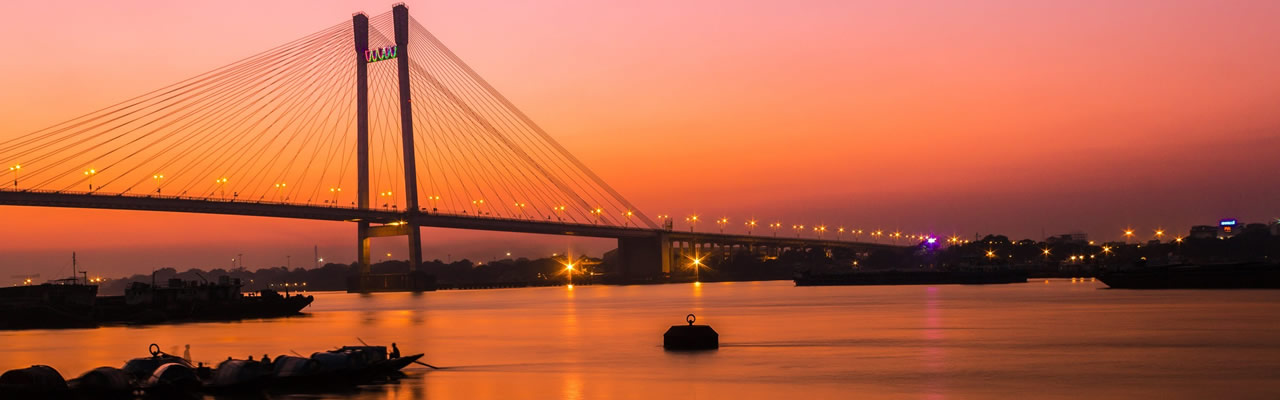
[279, 126]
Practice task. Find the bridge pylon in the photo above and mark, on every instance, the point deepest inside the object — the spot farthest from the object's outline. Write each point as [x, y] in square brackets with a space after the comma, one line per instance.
[409, 226]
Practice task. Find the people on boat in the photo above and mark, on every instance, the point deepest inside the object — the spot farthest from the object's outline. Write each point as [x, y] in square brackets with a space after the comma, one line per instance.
[250, 358]
[186, 353]
[395, 351]
[266, 359]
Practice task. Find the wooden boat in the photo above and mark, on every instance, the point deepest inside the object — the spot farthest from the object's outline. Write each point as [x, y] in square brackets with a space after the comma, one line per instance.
[238, 376]
[102, 383]
[34, 382]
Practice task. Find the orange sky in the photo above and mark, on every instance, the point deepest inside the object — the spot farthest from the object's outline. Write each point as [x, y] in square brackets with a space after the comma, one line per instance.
[964, 117]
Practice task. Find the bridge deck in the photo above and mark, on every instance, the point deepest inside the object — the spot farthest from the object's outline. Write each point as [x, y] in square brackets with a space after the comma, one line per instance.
[337, 213]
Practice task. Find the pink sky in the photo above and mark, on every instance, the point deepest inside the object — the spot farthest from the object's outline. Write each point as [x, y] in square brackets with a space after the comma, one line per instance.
[921, 116]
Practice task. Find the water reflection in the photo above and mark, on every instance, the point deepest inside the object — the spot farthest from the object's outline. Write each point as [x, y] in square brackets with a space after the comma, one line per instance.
[1056, 340]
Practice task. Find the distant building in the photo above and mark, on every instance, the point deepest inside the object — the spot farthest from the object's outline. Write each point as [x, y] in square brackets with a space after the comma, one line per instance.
[1074, 237]
[1228, 227]
[1204, 232]
[1256, 228]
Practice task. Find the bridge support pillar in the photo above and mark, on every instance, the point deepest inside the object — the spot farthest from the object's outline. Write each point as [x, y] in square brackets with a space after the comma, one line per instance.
[644, 259]
[362, 247]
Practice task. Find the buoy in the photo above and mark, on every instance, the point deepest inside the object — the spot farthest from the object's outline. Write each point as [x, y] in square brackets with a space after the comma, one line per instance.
[691, 337]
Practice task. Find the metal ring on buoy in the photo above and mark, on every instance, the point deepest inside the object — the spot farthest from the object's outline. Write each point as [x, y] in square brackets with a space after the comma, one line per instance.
[690, 318]
[154, 349]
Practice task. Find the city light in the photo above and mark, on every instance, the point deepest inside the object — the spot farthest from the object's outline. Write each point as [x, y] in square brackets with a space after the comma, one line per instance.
[15, 168]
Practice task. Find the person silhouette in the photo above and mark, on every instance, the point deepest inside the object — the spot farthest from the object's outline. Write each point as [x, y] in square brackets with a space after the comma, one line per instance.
[395, 351]
[186, 353]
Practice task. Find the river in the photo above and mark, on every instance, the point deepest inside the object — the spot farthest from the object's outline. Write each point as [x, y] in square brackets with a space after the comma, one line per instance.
[1046, 339]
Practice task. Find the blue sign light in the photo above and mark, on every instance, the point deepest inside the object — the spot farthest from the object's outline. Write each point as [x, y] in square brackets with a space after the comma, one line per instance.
[1227, 222]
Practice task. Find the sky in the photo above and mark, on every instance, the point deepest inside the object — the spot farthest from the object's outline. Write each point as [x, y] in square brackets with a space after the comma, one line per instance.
[1023, 118]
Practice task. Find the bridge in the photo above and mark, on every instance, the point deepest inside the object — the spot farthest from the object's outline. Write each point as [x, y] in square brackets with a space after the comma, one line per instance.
[378, 102]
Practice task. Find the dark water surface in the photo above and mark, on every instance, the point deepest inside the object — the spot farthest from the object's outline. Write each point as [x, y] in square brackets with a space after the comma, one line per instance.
[1047, 339]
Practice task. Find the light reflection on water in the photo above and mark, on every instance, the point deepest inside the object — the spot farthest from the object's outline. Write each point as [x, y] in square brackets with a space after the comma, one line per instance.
[1060, 339]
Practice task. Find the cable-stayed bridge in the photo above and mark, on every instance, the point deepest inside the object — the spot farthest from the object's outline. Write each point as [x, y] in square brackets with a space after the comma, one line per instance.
[373, 121]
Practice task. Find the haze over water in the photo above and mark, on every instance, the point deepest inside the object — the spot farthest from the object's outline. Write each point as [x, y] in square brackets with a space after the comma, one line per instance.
[1060, 339]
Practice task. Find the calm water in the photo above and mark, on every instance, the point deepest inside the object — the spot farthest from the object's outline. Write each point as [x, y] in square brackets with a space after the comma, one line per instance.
[1038, 340]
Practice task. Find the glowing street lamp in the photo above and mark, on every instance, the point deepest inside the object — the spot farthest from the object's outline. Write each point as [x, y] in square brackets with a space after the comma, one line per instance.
[1159, 233]
[222, 187]
[520, 206]
[90, 173]
[386, 203]
[798, 229]
[335, 191]
[628, 216]
[1128, 233]
[696, 264]
[991, 254]
[433, 200]
[598, 212]
[692, 220]
[15, 168]
[477, 204]
[821, 229]
[722, 222]
[751, 225]
[279, 187]
[559, 212]
[1046, 253]
[839, 232]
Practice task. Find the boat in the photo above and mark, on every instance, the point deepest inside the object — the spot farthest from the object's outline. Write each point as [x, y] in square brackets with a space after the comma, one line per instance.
[233, 376]
[917, 277]
[102, 383]
[34, 382]
[61, 303]
[181, 300]
[172, 380]
[1243, 275]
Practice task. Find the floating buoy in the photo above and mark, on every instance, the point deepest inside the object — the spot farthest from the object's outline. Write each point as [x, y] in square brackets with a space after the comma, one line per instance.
[691, 337]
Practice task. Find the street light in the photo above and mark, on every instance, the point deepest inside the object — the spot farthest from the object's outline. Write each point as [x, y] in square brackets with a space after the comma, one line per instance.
[775, 226]
[279, 187]
[751, 225]
[839, 232]
[335, 191]
[157, 178]
[1128, 233]
[15, 169]
[628, 215]
[722, 222]
[598, 213]
[222, 187]
[692, 220]
[559, 212]
[1159, 233]
[477, 204]
[90, 173]
[386, 203]
[433, 200]
[521, 206]
[821, 229]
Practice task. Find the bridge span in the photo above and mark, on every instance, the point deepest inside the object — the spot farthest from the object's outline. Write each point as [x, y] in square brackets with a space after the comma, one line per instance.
[643, 253]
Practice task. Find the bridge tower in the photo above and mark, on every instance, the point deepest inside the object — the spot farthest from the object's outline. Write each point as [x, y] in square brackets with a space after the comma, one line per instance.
[409, 227]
